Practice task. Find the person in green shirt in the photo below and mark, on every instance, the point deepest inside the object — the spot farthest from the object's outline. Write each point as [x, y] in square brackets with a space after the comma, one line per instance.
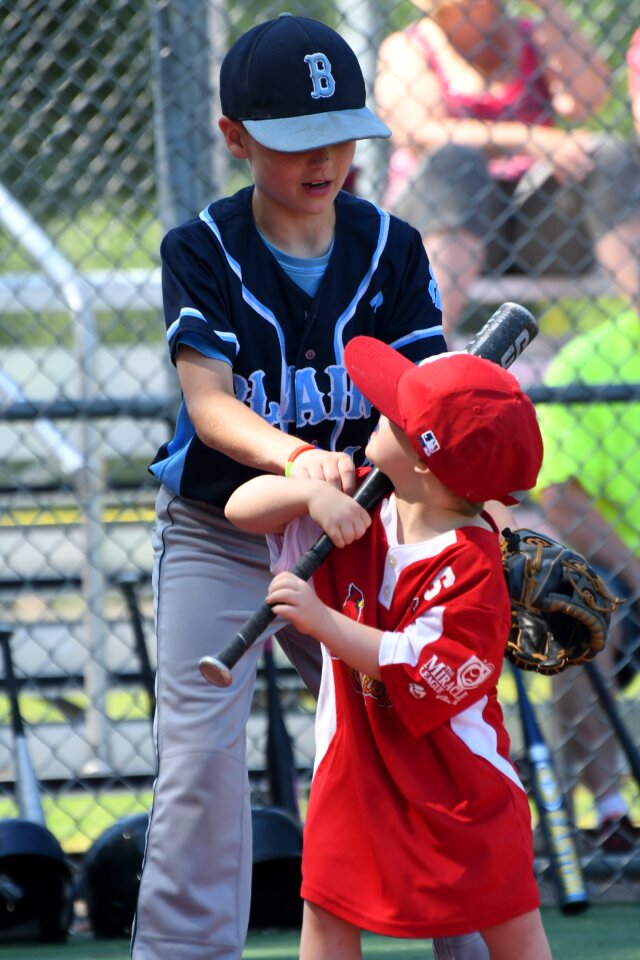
[589, 490]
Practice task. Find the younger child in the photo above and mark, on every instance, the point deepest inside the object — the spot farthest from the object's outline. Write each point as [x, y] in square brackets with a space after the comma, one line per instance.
[418, 825]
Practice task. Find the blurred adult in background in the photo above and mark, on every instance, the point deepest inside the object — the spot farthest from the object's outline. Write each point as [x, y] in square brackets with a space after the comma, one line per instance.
[590, 492]
[479, 166]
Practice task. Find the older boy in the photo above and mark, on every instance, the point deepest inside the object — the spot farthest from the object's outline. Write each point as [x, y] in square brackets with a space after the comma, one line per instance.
[261, 293]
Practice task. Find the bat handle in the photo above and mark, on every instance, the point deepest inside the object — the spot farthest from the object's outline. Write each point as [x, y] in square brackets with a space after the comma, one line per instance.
[217, 670]
[497, 340]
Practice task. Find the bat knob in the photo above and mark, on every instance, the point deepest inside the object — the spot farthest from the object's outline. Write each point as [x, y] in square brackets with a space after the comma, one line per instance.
[215, 672]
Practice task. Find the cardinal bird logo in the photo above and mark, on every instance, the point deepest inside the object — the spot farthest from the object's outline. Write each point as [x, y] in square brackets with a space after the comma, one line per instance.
[364, 685]
[354, 603]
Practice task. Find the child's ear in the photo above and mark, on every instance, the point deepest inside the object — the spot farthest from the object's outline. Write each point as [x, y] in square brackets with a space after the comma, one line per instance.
[235, 137]
[421, 467]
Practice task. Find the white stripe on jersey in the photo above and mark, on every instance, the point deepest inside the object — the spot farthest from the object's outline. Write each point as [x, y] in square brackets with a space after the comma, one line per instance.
[338, 345]
[326, 712]
[342, 321]
[172, 329]
[255, 304]
[192, 312]
[197, 315]
[407, 645]
[417, 335]
[482, 739]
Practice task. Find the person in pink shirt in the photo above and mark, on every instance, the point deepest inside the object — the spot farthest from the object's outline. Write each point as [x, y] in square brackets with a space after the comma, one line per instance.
[480, 164]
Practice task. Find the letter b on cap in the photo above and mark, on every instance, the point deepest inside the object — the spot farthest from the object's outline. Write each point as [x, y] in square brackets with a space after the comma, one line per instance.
[320, 69]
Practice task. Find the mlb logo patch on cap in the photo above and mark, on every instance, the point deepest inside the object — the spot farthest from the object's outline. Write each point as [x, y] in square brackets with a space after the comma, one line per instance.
[429, 443]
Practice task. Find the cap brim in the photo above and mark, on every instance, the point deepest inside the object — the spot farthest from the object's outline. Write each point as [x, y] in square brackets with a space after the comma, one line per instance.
[294, 134]
[376, 369]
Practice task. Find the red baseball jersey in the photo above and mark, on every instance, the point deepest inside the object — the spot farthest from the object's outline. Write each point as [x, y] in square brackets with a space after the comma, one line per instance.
[418, 825]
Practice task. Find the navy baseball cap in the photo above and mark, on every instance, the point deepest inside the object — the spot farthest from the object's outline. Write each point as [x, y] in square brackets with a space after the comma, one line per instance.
[296, 85]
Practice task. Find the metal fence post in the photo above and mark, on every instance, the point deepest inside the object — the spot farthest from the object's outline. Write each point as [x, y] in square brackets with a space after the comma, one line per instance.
[189, 38]
[364, 25]
[88, 478]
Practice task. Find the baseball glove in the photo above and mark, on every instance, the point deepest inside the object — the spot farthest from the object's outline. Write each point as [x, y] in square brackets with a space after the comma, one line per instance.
[560, 607]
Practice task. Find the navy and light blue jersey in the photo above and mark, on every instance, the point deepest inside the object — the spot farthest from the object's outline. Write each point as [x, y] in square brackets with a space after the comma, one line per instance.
[223, 288]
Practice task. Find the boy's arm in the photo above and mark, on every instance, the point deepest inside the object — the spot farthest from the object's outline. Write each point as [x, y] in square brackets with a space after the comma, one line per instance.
[266, 504]
[355, 643]
[225, 424]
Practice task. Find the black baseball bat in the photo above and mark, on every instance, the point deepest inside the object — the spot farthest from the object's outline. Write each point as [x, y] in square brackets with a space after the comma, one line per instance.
[280, 762]
[502, 339]
[555, 822]
[28, 798]
[217, 670]
[127, 582]
[610, 707]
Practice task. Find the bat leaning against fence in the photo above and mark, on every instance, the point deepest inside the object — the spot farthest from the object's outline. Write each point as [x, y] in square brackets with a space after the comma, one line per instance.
[36, 884]
[610, 707]
[502, 339]
[555, 823]
[29, 800]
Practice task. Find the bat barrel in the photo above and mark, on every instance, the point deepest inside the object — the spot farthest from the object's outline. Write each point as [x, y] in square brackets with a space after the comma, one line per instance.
[505, 335]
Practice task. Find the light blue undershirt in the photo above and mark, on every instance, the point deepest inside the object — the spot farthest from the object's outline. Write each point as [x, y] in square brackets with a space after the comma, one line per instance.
[307, 272]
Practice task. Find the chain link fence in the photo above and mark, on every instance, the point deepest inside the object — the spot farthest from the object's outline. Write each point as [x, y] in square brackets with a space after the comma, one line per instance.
[108, 138]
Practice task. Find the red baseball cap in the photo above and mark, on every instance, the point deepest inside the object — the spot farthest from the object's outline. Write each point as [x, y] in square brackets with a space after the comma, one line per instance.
[466, 417]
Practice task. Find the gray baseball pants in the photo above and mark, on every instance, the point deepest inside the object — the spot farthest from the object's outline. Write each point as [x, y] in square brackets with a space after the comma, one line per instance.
[196, 880]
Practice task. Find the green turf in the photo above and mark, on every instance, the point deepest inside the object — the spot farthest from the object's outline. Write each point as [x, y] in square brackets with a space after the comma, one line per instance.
[605, 932]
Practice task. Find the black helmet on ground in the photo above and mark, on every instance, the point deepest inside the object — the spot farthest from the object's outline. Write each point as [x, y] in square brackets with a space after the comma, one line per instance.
[277, 861]
[110, 878]
[36, 886]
